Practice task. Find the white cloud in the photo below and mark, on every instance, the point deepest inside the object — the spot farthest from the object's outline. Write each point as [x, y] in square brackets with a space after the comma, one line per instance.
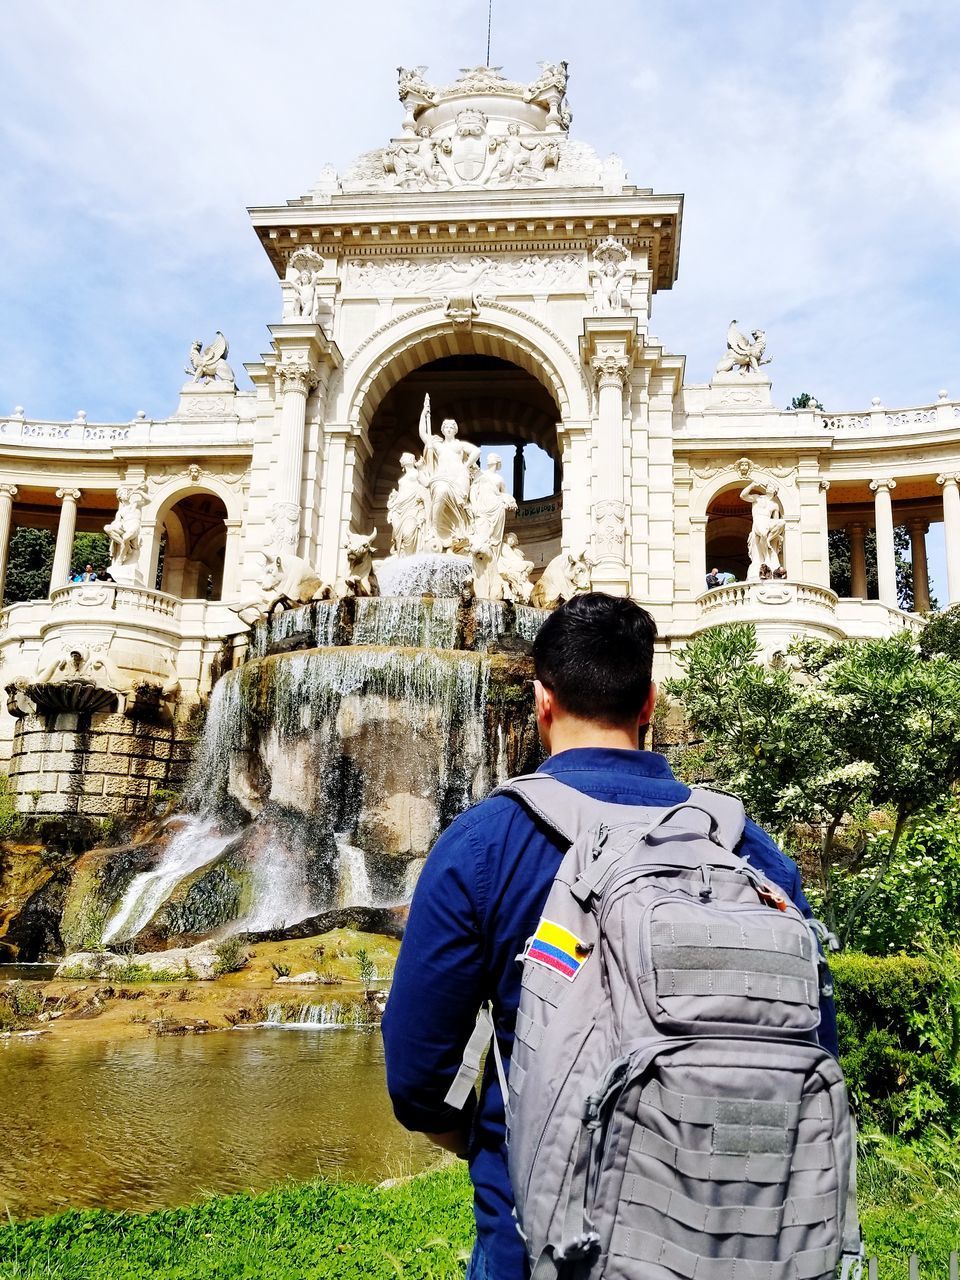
[816, 145]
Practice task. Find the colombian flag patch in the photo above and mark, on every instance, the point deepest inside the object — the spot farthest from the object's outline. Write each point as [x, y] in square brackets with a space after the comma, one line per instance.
[558, 949]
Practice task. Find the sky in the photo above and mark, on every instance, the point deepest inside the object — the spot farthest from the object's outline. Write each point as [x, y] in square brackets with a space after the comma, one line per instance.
[817, 145]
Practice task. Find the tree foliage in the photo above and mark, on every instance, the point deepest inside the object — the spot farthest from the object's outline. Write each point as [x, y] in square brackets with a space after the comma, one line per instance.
[805, 401]
[818, 744]
[841, 571]
[29, 562]
[942, 635]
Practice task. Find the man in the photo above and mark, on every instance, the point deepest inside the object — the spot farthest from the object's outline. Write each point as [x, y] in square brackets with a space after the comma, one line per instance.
[482, 890]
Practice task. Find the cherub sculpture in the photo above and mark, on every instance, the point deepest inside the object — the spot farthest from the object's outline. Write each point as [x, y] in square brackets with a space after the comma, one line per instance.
[742, 354]
[209, 364]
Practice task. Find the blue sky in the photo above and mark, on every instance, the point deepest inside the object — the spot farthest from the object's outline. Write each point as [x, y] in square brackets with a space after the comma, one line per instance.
[817, 145]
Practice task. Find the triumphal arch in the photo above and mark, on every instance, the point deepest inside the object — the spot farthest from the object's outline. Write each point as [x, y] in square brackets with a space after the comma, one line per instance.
[488, 259]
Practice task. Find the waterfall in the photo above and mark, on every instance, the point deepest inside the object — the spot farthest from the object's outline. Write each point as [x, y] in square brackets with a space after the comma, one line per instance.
[318, 618]
[354, 888]
[408, 621]
[309, 1017]
[324, 775]
[195, 843]
[530, 620]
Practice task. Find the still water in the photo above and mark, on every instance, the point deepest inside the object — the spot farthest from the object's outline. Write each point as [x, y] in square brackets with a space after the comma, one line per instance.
[147, 1123]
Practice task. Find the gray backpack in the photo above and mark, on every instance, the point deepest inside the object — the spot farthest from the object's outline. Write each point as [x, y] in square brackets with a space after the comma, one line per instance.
[669, 1111]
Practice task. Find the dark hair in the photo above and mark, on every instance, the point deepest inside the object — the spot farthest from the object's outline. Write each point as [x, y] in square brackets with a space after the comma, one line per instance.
[595, 653]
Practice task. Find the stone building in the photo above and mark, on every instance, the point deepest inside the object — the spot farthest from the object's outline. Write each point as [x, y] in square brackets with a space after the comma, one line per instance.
[486, 256]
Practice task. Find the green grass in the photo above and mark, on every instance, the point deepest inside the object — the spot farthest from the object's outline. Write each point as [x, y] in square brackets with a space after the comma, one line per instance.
[420, 1230]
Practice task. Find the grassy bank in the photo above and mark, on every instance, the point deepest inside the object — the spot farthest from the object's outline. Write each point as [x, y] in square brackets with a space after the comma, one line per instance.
[419, 1230]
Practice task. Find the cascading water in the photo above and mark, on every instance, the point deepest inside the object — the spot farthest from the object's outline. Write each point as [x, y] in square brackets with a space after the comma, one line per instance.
[308, 1017]
[196, 843]
[324, 775]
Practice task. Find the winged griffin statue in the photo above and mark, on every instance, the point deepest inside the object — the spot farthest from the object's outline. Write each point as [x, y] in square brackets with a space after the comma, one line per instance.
[209, 364]
[742, 354]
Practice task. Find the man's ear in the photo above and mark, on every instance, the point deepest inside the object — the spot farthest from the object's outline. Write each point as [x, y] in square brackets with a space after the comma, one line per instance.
[646, 715]
[543, 697]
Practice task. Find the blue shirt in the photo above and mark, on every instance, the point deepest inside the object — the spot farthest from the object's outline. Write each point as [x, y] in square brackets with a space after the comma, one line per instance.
[479, 897]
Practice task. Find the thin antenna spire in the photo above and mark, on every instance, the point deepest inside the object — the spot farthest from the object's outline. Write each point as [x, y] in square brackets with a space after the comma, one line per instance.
[489, 22]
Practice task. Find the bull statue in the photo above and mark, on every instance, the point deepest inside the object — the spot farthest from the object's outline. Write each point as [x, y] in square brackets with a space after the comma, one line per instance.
[360, 579]
[564, 577]
[286, 581]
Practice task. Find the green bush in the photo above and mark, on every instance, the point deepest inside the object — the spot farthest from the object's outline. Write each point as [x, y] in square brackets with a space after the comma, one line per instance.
[918, 896]
[899, 1024]
[231, 955]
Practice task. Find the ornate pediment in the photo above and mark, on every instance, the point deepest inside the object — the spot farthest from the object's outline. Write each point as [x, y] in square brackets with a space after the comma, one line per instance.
[481, 131]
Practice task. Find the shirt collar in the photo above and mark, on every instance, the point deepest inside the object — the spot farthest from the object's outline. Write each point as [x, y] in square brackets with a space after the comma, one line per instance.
[643, 764]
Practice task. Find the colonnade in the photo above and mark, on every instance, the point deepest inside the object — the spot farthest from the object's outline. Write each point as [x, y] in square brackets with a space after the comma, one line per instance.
[66, 529]
[917, 526]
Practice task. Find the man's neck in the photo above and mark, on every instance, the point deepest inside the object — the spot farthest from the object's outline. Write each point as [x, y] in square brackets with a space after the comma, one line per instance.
[571, 733]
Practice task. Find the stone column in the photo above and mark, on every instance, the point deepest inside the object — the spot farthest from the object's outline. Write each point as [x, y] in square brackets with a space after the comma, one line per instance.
[7, 494]
[886, 556]
[858, 561]
[231, 560]
[294, 380]
[338, 435]
[519, 467]
[951, 531]
[65, 531]
[609, 509]
[918, 556]
[607, 348]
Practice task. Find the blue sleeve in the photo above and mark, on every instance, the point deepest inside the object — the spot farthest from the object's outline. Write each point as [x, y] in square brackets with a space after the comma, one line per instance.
[760, 850]
[437, 986]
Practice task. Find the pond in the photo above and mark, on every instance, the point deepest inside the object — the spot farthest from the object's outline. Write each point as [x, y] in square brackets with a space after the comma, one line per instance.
[149, 1123]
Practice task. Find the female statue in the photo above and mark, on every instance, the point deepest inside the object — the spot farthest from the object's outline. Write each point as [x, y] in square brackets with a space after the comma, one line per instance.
[489, 503]
[407, 508]
[446, 471]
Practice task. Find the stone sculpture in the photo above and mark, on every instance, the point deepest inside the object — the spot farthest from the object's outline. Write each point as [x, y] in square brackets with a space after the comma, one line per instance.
[415, 163]
[520, 160]
[564, 577]
[611, 279]
[407, 509]
[209, 364]
[78, 679]
[515, 571]
[287, 580]
[360, 579]
[489, 504]
[124, 533]
[765, 542]
[742, 354]
[446, 469]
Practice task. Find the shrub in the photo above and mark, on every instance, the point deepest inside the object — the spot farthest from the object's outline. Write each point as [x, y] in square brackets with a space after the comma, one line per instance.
[281, 970]
[918, 896]
[899, 1024]
[365, 968]
[231, 955]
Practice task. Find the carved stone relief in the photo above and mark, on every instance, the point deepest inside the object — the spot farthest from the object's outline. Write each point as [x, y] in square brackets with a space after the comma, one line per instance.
[520, 273]
[609, 529]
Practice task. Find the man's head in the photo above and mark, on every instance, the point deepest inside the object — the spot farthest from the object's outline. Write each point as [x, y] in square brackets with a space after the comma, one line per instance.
[714, 573]
[593, 661]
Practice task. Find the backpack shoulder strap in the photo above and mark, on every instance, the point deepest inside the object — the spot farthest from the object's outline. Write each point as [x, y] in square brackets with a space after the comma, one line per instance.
[569, 812]
[563, 808]
[725, 812]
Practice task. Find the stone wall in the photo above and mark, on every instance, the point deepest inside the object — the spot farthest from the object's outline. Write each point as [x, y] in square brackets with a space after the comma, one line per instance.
[100, 766]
